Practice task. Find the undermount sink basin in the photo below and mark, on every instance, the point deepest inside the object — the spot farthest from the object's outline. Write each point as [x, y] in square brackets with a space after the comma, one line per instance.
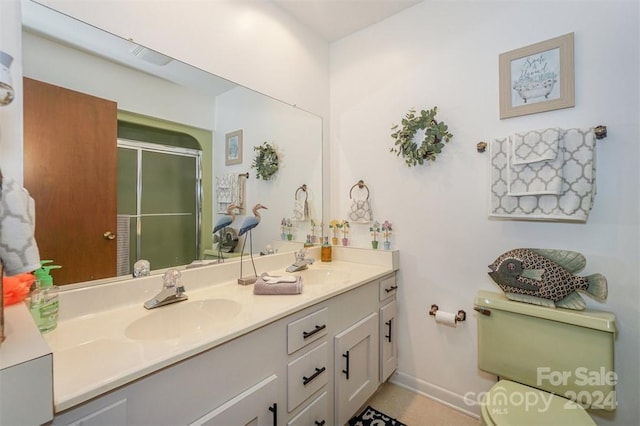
[324, 276]
[182, 318]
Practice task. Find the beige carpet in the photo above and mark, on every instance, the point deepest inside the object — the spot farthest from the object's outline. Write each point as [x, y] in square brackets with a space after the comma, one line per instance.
[413, 409]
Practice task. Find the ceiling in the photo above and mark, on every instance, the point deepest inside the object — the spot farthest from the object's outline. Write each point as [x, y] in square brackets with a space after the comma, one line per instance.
[335, 19]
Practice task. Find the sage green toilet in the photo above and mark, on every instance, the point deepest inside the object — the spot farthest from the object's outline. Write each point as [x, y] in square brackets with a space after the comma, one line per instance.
[545, 359]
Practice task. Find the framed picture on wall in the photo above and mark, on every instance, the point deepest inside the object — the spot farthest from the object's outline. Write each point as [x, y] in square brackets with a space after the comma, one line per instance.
[233, 148]
[537, 78]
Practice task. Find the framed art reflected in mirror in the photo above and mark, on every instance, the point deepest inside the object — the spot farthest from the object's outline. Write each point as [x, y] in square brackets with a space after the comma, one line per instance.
[233, 148]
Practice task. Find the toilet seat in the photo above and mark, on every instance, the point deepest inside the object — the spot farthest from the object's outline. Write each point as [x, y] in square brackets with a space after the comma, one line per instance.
[511, 403]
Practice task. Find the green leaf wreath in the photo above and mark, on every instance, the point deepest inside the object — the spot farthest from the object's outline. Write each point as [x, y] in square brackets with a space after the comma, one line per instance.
[432, 142]
[266, 161]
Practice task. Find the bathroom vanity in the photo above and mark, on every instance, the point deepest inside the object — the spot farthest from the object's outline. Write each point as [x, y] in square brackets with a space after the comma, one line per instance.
[26, 388]
[227, 356]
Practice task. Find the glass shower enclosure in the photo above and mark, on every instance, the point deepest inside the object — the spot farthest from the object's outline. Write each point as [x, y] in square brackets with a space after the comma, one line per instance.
[159, 200]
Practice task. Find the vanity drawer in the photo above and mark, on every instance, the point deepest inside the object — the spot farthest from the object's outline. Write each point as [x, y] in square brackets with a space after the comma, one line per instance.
[388, 287]
[316, 413]
[306, 330]
[306, 375]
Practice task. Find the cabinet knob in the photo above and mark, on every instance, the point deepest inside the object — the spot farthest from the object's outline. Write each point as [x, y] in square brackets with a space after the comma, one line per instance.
[109, 235]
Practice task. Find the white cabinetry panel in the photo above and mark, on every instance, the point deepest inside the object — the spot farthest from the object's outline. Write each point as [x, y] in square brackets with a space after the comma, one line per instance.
[254, 407]
[356, 366]
[388, 340]
[315, 414]
[306, 330]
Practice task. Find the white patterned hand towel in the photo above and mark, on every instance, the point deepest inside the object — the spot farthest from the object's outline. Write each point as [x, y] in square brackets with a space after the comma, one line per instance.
[267, 284]
[360, 211]
[18, 248]
[535, 145]
[300, 210]
[535, 161]
[578, 183]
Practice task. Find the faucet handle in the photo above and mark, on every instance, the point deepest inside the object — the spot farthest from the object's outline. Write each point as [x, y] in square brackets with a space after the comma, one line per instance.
[171, 278]
[301, 254]
[142, 268]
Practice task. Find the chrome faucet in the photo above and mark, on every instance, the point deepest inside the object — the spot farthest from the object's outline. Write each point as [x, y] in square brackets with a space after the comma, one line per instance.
[302, 262]
[172, 291]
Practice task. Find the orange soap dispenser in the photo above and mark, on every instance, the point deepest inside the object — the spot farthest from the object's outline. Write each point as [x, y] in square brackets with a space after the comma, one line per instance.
[325, 251]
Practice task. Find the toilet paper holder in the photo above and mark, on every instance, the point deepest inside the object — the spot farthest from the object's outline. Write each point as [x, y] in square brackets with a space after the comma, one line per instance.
[460, 316]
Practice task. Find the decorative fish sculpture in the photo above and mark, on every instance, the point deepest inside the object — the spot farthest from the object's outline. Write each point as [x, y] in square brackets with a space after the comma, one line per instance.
[546, 277]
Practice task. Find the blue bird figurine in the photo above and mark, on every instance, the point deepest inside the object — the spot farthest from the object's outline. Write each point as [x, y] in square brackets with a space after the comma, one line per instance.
[223, 223]
[251, 222]
[248, 224]
[227, 219]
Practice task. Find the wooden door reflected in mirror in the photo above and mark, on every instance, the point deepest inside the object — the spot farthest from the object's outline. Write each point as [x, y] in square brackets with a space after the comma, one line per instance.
[71, 137]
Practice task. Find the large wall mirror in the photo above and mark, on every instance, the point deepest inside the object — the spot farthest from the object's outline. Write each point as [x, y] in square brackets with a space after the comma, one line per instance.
[173, 123]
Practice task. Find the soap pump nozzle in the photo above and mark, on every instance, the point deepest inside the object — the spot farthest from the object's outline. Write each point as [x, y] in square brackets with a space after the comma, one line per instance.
[43, 274]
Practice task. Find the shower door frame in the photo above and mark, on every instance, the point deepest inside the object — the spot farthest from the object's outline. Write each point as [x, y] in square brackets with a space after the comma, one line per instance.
[139, 147]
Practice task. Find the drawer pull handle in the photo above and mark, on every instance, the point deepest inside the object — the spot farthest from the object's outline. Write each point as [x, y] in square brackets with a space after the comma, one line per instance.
[320, 423]
[390, 289]
[346, 371]
[307, 334]
[389, 324]
[307, 380]
[274, 409]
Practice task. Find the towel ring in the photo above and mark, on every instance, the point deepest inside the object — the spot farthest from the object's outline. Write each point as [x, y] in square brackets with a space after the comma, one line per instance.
[303, 188]
[360, 185]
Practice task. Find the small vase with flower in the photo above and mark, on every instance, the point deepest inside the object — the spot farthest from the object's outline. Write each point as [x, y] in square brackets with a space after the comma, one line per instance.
[386, 233]
[375, 230]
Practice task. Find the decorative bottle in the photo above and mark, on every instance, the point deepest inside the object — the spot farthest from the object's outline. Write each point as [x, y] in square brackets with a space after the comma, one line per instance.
[325, 250]
[308, 242]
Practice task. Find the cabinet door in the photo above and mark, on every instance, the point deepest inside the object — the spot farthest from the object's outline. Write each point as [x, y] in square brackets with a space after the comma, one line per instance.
[356, 366]
[256, 407]
[314, 414]
[388, 340]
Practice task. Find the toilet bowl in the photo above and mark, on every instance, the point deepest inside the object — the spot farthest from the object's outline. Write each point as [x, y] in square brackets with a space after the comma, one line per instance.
[552, 363]
[510, 403]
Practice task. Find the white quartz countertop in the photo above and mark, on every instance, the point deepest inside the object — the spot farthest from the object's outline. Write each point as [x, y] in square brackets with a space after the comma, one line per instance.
[97, 352]
[23, 340]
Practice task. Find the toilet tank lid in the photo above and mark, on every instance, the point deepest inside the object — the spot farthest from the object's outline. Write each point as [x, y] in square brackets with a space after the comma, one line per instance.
[599, 320]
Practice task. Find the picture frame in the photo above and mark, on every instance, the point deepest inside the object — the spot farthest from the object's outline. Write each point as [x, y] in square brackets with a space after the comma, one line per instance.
[233, 148]
[537, 78]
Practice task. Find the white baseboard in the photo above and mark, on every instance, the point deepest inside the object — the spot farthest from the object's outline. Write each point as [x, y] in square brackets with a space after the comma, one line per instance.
[443, 396]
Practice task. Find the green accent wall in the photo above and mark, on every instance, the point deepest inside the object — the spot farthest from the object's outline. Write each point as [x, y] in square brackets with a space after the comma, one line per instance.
[204, 138]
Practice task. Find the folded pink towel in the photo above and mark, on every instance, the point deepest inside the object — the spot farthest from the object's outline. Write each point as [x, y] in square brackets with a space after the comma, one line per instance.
[263, 287]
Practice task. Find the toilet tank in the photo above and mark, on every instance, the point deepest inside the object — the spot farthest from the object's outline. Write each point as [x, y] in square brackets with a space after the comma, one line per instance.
[566, 352]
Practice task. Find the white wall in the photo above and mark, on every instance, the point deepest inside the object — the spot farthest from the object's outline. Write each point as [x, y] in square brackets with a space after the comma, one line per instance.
[446, 54]
[295, 134]
[253, 43]
[134, 91]
[11, 115]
